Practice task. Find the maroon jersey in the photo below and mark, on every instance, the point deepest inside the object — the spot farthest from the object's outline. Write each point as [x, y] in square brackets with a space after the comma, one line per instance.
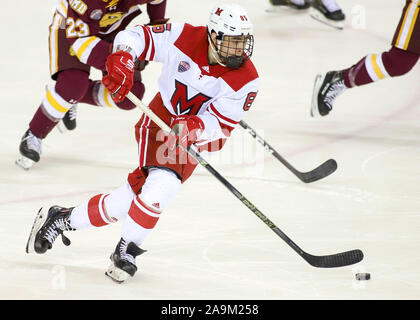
[407, 35]
[91, 25]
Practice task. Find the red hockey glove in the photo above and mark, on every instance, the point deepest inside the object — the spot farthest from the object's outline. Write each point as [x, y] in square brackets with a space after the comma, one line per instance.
[185, 130]
[119, 80]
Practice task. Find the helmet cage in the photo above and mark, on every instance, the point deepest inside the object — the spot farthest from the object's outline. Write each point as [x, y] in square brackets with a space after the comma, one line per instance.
[226, 44]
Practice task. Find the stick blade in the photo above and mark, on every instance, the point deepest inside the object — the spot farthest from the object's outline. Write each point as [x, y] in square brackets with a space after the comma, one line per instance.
[322, 171]
[335, 260]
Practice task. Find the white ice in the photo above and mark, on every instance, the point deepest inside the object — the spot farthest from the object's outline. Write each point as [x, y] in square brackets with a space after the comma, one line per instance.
[207, 245]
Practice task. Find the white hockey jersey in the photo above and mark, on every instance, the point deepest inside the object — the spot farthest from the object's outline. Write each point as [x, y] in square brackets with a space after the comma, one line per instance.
[188, 84]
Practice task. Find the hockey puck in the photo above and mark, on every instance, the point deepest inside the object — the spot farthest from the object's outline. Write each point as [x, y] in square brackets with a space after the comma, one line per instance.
[362, 276]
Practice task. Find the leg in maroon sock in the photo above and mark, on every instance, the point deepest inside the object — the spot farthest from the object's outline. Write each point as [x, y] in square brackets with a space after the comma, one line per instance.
[71, 85]
[138, 90]
[398, 62]
[41, 124]
[97, 95]
[91, 95]
[393, 63]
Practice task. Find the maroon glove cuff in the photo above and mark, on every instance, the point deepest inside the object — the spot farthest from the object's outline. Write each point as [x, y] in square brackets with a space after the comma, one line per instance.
[156, 22]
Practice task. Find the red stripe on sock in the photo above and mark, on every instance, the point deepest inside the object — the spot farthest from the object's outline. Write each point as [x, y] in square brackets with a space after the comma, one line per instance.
[93, 212]
[110, 219]
[142, 218]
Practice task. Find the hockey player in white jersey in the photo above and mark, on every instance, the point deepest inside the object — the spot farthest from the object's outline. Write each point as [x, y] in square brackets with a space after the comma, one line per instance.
[207, 84]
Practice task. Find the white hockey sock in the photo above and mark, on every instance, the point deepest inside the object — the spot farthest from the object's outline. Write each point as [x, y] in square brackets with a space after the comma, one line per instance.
[160, 188]
[103, 209]
[139, 223]
[79, 218]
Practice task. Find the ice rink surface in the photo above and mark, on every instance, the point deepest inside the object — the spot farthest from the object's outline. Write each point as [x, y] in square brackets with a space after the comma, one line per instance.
[208, 245]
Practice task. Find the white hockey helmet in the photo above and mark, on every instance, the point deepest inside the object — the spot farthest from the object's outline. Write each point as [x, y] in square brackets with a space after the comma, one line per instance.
[230, 20]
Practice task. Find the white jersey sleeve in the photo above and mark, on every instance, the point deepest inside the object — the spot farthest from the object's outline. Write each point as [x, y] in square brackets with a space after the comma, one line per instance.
[223, 114]
[149, 42]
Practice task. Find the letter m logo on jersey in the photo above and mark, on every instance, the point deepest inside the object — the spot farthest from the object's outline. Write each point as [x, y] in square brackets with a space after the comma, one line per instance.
[219, 11]
[183, 105]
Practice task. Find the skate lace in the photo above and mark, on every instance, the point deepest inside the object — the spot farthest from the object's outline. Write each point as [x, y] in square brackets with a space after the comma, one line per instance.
[334, 91]
[123, 252]
[57, 228]
[331, 5]
[73, 112]
[33, 142]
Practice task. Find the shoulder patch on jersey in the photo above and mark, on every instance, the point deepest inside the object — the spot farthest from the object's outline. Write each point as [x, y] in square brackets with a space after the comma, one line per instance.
[96, 14]
[79, 6]
[110, 18]
[183, 66]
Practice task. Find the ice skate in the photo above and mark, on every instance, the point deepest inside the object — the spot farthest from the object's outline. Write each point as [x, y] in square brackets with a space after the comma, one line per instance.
[329, 13]
[123, 261]
[326, 89]
[48, 225]
[30, 150]
[295, 4]
[68, 122]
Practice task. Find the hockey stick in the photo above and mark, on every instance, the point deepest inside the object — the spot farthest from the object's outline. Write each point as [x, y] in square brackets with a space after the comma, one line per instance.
[320, 172]
[329, 261]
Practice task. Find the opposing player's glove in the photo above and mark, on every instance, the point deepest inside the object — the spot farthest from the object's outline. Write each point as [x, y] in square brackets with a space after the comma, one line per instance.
[185, 130]
[157, 22]
[140, 65]
[119, 80]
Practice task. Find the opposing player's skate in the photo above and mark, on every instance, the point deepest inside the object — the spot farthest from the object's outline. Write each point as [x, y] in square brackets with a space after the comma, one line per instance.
[123, 261]
[326, 89]
[48, 225]
[296, 4]
[30, 150]
[68, 122]
[328, 12]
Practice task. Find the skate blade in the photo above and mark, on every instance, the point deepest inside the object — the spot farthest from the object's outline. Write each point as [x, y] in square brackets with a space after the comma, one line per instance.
[315, 14]
[38, 223]
[277, 8]
[319, 79]
[116, 274]
[274, 9]
[24, 163]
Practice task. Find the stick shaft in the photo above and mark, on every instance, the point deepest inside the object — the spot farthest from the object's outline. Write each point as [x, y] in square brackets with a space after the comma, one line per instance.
[322, 171]
[268, 147]
[194, 153]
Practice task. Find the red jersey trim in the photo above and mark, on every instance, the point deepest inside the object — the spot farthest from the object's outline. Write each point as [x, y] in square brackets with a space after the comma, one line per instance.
[219, 115]
[148, 42]
[152, 51]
